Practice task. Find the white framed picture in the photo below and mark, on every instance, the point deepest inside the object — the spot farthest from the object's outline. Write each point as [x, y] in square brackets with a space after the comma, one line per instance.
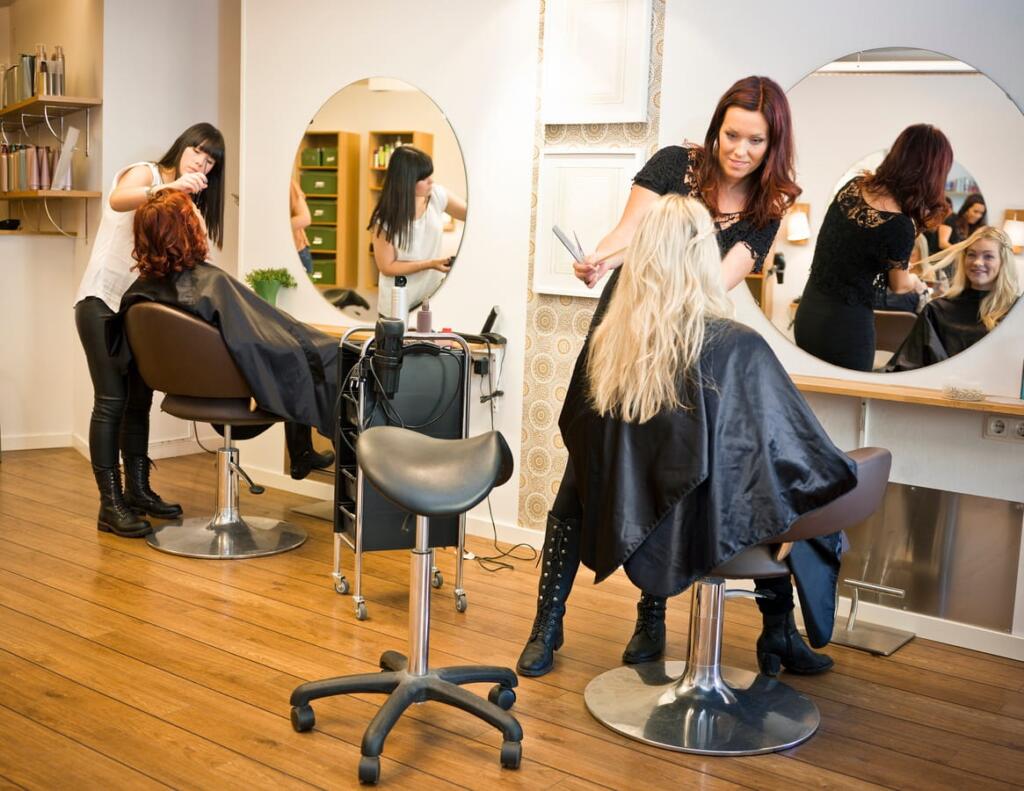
[583, 192]
[597, 55]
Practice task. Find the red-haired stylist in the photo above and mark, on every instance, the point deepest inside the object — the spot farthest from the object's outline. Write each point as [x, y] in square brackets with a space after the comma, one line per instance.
[194, 164]
[743, 174]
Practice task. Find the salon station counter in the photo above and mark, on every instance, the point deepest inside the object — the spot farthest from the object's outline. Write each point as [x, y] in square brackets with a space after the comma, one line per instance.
[950, 532]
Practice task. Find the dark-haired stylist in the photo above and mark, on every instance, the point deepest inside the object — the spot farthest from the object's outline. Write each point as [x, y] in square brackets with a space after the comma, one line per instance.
[408, 225]
[193, 165]
[743, 175]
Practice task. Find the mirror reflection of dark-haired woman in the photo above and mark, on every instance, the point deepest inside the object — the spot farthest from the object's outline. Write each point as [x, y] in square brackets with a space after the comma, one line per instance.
[194, 165]
[408, 226]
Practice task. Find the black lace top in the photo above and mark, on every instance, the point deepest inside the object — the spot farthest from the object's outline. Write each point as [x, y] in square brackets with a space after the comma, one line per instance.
[672, 169]
[857, 245]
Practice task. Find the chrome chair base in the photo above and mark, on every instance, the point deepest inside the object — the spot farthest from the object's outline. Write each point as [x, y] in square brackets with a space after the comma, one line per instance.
[873, 638]
[245, 537]
[745, 714]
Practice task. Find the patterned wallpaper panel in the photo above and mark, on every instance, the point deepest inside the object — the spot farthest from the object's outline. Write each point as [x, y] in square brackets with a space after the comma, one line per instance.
[557, 325]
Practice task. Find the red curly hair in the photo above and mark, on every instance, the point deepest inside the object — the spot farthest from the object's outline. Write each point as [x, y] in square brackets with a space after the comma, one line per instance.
[169, 235]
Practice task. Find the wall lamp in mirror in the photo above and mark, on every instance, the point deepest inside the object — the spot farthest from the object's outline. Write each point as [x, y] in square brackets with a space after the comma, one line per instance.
[798, 224]
[1013, 224]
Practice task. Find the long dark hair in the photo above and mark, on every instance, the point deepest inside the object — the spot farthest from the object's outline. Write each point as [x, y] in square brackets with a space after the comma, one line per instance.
[396, 209]
[914, 174]
[208, 139]
[960, 222]
[773, 188]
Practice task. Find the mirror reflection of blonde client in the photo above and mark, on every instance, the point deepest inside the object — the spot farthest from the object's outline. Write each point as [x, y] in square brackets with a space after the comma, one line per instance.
[408, 225]
[687, 440]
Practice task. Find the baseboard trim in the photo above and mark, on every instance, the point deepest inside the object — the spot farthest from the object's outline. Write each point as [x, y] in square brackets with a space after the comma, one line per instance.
[34, 441]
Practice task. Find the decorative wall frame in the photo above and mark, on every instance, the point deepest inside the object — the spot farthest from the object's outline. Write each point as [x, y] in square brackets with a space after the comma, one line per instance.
[596, 61]
[583, 191]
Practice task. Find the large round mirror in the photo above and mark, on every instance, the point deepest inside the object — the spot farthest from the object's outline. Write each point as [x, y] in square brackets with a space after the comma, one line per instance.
[378, 193]
[846, 117]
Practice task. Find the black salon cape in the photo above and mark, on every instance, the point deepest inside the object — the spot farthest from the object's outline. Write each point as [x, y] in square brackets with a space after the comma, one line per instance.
[945, 327]
[290, 366]
[672, 498]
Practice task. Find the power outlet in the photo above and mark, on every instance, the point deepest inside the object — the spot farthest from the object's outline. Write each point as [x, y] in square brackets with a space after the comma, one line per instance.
[1003, 427]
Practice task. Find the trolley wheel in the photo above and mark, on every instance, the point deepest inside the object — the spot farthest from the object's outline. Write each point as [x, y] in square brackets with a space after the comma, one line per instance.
[511, 754]
[303, 718]
[361, 611]
[369, 769]
[502, 697]
[460, 602]
[437, 580]
[341, 586]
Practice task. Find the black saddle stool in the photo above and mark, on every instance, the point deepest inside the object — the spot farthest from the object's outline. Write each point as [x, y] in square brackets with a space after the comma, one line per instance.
[427, 477]
[699, 706]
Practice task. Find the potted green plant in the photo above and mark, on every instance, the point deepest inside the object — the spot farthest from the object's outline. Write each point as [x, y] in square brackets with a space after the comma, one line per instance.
[267, 282]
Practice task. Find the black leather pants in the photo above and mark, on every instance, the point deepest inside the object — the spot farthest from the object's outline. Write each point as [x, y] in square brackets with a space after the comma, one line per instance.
[121, 400]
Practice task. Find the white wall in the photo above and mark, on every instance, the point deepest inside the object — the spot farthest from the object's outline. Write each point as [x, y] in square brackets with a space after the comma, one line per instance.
[839, 119]
[478, 62]
[36, 322]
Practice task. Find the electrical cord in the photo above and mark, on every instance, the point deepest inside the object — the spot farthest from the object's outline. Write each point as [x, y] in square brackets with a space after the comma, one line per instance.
[497, 562]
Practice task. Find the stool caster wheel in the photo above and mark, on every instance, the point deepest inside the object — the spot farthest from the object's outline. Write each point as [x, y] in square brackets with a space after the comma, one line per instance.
[341, 586]
[502, 697]
[361, 611]
[303, 718]
[511, 754]
[437, 580]
[460, 602]
[369, 769]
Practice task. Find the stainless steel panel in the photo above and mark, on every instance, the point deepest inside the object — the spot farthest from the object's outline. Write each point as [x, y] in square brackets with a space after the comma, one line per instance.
[955, 555]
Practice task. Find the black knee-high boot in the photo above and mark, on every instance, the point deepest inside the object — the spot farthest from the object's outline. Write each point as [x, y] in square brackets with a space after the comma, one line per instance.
[559, 563]
[115, 516]
[780, 644]
[648, 641]
[137, 493]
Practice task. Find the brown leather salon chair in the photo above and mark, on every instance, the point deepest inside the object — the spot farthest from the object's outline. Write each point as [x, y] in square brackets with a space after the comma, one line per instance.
[892, 328]
[701, 706]
[186, 358]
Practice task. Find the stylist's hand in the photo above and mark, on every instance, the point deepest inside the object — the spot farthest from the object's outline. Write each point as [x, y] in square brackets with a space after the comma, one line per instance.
[190, 183]
[442, 264]
[590, 270]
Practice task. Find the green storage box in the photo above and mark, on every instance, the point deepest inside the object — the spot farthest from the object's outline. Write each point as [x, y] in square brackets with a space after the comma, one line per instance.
[323, 211]
[319, 183]
[329, 157]
[321, 237]
[325, 267]
[311, 157]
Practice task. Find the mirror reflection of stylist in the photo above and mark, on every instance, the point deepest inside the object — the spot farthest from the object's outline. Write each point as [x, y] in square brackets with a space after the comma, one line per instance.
[194, 165]
[957, 227]
[743, 175]
[408, 227]
[865, 243]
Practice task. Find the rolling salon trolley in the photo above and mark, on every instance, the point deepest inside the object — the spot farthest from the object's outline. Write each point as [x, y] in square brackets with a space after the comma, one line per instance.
[432, 398]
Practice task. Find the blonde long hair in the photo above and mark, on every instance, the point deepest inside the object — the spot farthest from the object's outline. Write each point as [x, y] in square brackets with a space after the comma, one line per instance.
[650, 340]
[1003, 293]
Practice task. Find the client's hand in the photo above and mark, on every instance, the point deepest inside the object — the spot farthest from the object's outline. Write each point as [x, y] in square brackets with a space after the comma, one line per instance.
[442, 264]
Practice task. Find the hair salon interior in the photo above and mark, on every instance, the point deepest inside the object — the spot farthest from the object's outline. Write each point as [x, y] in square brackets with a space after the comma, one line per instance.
[787, 465]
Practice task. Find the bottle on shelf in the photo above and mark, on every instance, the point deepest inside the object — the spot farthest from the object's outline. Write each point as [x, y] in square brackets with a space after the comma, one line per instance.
[57, 73]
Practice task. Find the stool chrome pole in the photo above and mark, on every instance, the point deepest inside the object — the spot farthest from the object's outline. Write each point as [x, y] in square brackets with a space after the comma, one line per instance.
[419, 599]
[698, 706]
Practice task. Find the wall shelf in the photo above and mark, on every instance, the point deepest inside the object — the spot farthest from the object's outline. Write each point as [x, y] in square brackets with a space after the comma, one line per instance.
[52, 106]
[47, 194]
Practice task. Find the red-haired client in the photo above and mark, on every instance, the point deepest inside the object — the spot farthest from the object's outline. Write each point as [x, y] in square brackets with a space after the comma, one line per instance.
[290, 366]
[743, 176]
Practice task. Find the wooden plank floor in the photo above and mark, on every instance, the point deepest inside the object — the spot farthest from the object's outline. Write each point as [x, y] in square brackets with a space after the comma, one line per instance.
[122, 667]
